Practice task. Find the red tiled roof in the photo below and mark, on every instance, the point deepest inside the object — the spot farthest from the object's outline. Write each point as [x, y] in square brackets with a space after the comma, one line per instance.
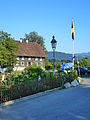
[30, 49]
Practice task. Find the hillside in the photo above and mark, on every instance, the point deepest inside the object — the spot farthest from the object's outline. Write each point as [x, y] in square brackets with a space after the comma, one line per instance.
[67, 56]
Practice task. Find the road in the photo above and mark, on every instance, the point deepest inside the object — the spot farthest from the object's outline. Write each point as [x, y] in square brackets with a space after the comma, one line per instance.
[67, 104]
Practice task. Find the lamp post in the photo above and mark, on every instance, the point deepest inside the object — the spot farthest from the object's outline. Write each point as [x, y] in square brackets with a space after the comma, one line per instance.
[53, 44]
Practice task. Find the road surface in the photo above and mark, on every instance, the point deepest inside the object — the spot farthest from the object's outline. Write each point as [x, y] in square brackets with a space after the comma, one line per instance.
[67, 104]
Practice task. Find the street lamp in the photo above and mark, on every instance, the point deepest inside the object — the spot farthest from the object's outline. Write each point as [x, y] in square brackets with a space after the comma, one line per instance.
[53, 44]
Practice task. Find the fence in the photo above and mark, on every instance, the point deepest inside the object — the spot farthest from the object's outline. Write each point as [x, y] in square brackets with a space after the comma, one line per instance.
[17, 91]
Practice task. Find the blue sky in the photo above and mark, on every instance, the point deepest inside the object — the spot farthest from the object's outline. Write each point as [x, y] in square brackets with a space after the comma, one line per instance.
[48, 18]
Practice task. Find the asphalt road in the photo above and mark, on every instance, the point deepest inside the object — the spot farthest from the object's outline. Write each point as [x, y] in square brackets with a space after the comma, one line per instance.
[67, 104]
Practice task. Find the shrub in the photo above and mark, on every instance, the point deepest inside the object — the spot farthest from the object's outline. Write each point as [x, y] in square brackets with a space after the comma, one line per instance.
[35, 71]
[0, 76]
[68, 76]
[15, 78]
[30, 74]
[74, 74]
[9, 69]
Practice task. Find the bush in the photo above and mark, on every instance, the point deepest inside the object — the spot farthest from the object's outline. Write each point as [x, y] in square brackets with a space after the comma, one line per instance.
[48, 65]
[9, 69]
[30, 74]
[0, 77]
[15, 78]
[34, 72]
[69, 76]
[74, 74]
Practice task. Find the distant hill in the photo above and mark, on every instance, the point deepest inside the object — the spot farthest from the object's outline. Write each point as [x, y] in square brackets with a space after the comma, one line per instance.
[82, 55]
[67, 56]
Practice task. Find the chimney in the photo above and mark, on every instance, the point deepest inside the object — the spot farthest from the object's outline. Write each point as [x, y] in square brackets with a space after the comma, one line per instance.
[26, 41]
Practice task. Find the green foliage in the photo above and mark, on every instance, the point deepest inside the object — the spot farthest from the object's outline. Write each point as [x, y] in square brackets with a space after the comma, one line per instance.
[9, 69]
[26, 83]
[30, 74]
[65, 61]
[74, 74]
[85, 62]
[34, 37]
[4, 55]
[69, 76]
[8, 47]
[48, 65]
[35, 71]
[0, 77]
[58, 65]
[15, 78]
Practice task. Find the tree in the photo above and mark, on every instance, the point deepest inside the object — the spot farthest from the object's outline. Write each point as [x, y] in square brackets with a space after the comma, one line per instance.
[34, 37]
[58, 65]
[48, 65]
[8, 47]
[4, 55]
[85, 62]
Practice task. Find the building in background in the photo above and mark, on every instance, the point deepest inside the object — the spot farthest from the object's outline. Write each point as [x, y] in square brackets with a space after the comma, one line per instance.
[29, 53]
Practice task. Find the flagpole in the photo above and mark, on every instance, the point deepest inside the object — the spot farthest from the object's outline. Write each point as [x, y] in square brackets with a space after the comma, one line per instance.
[73, 53]
[72, 30]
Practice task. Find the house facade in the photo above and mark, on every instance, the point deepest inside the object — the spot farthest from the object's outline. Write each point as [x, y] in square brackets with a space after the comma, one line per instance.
[29, 53]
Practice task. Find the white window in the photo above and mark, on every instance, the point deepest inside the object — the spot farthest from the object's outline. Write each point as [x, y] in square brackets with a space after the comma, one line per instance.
[22, 63]
[29, 58]
[17, 58]
[36, 59]
[17, 64]
[40, 59]
[22, 58]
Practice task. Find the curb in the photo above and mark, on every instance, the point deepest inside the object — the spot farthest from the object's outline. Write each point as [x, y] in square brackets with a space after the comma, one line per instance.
[29, 97]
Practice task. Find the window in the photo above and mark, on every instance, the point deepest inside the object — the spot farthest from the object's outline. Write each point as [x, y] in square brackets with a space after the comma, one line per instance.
[22, 58]
[29, 58]
[17, 58]
[40, 59]
[17, 63]
[22, 63]
[36, 59]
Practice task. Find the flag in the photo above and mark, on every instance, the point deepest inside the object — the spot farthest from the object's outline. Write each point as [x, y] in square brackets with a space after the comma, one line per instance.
[72, 30]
